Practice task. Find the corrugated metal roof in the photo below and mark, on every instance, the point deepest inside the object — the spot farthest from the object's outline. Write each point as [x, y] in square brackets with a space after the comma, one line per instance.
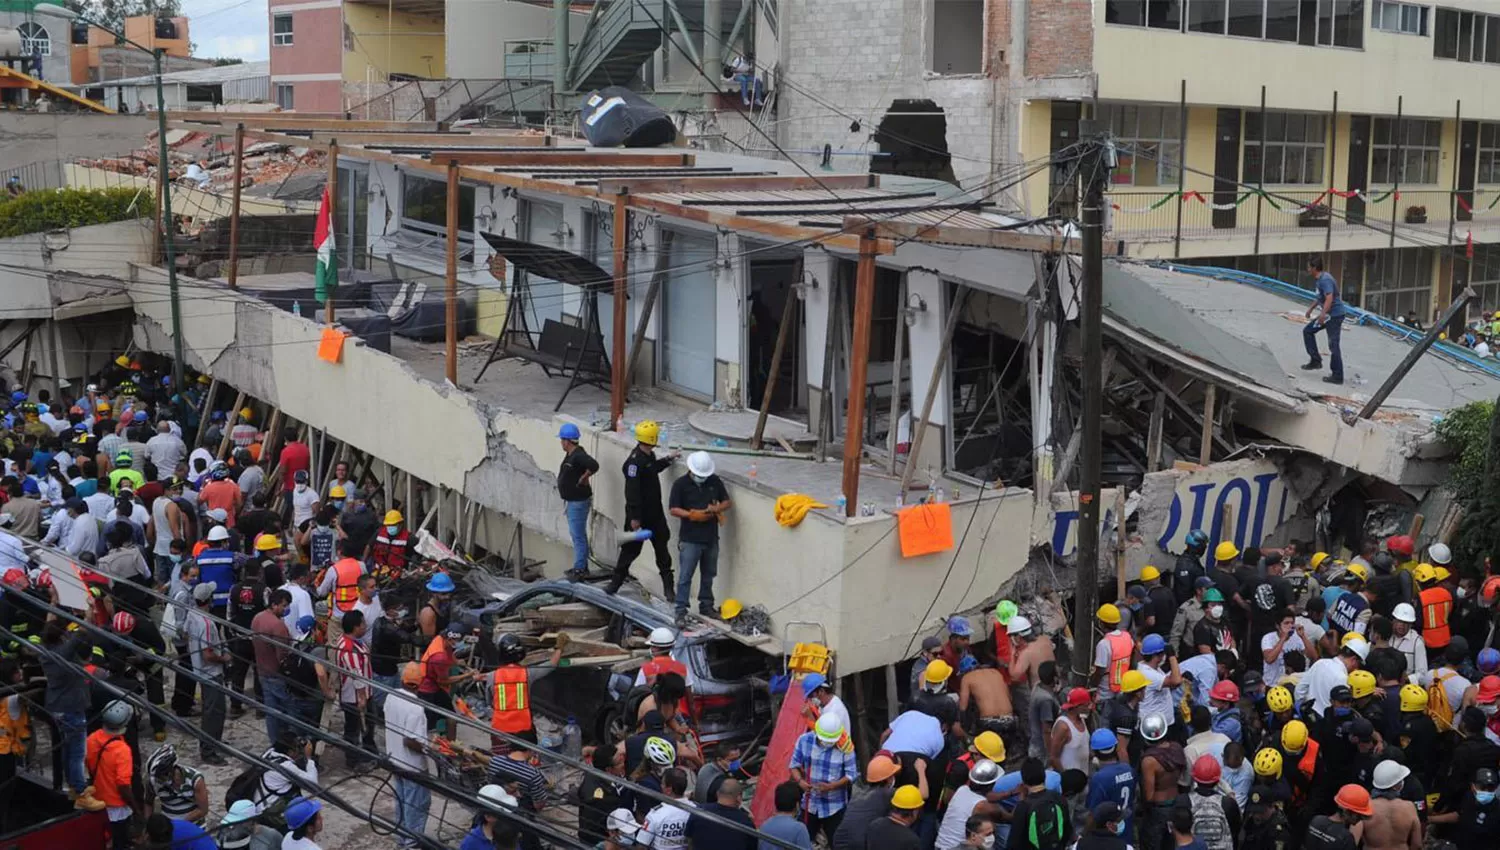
[196, 76]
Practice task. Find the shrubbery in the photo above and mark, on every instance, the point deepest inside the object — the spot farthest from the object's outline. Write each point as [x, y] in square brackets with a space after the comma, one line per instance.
[52, 209]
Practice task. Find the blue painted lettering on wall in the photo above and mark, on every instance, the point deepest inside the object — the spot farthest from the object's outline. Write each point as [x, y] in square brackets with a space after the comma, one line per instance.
[1258, 503]
[1065, 531]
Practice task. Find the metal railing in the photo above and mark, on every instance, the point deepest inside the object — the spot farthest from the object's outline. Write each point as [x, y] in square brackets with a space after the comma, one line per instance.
[1162, 214]
[529, 59]
[46, 174]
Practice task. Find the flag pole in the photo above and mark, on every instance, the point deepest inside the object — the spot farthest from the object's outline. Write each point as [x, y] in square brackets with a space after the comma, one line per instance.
[333, 184]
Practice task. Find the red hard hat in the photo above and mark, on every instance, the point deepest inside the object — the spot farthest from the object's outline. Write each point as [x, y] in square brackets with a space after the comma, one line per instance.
[1225, 690]
[1490, 589]
[1489, 689]
[44, 578]
[124, 622]
[1206, 770]
[1400, 544]
[14, 577]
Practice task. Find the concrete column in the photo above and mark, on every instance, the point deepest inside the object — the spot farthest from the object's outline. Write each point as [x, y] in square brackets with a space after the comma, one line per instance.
[713, 47]
[817, 264]
[926, 335]
[729, 320]
[559, 51]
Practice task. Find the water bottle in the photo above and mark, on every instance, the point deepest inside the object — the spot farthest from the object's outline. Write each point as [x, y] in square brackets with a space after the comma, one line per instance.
[843, 504]
[296, 308]
[754, 470]
[572, 737]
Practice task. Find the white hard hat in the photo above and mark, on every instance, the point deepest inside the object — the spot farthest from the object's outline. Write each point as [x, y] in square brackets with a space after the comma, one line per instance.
[623, 822]
[218, 533]
[1439, 553]
[1388, 774]
[829, 728]
[498, 796]
[1359, 646]
[701, 464]
[661, 636]
[1405, 613]
[1019, 625]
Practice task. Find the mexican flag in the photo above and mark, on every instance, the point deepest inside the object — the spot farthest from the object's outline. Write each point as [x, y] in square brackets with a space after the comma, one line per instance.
[327, 275]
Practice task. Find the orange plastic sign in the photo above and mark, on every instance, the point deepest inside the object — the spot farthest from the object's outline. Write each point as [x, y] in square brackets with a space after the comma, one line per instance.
[331, 348]
[925, 529]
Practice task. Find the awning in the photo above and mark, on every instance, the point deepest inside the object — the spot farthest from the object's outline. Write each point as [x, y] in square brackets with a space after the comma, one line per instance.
[551, 263]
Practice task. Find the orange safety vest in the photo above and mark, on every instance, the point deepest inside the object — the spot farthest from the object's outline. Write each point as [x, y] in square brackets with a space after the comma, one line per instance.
[1437, 606]
[434, 646]
[14, 733]
[1307, 766]
[511, 702]
[346, 583]
[1121, 648]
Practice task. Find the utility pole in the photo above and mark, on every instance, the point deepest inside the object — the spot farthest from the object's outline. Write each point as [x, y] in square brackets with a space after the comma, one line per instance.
[1098, 160]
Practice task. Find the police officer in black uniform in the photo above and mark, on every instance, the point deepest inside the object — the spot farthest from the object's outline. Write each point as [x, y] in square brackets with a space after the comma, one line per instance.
[1189, 565]
[643, 507]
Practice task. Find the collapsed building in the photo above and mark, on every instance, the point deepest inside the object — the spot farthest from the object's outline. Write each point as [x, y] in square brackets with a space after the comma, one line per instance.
[743, 287]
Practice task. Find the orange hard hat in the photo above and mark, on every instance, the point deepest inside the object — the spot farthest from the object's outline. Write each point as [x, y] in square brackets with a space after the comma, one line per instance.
[411, 674]
[1355, 799]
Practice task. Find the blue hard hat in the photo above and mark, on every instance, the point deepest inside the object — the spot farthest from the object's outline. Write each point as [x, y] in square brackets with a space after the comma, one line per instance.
[217, 416]
[967, 663]
[140, 416]
[812, 681]
[960, 626]
[166, 380]
[17, 397]
[1103, 740]
[568, 431]
[1489, 660]
[440, 583]
[1197, 537]
[41, 408]
[307, 623]
[1153, 645]
[301, 811]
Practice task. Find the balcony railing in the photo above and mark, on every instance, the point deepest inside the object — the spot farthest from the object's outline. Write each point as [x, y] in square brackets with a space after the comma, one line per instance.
[1158, 215]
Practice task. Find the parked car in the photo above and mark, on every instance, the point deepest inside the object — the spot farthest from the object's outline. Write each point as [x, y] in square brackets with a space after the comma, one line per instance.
[730, 695]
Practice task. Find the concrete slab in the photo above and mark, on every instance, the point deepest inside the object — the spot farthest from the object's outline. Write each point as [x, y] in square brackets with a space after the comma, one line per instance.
[1266, 318]
[739, 426]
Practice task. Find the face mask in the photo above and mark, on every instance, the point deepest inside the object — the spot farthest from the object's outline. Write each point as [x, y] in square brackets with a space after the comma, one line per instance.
[176, 559]
[1342, 711]
[392, 530]
[1120, 828]
[1484, 798]
[1216, 611]
[734, 766]
[822, 744]
[301, 488]
[988, 842]
[699, 479]
[1463, 593]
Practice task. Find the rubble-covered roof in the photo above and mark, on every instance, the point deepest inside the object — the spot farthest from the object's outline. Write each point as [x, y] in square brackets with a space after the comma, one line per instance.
[193, 76]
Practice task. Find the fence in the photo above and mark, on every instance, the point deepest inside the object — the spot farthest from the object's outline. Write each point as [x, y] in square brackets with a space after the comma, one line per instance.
[47, 174]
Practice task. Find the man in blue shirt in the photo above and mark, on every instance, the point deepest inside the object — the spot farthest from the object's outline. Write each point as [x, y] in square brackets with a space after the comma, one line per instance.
[165, 832]
[1114, 781]
[1330, 318]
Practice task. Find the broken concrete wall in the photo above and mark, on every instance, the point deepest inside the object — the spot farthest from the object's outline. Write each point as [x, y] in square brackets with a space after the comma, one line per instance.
[1260, 498]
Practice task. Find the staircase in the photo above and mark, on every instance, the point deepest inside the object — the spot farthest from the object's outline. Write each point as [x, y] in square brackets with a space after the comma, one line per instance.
[622, 39]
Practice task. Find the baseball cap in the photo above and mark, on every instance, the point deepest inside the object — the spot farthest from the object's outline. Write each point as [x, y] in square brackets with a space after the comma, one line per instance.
[217, 514]
[204, 591]
[1105, 812]
[1077, 697]
[1202, 582]
[1362, 729]
[300, 477]
[623, 822]
[931, 643]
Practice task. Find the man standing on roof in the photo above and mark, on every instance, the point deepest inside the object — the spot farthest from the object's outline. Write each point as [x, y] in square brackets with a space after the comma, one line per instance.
[699, 500]
[577, 495]
[1330, 318]
[643, 507]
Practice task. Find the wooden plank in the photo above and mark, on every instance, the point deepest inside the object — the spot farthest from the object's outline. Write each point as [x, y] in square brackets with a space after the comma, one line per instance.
[1174, 401]
[788, 311]
[731, 183]
[229, 423]
[569, 614]
[208, 406]
[1154, 432]
[552, 159]
[283, 121]
[974, 237]
[859, 366]
[1206, 445]
[433, 140]
[234, 206]
[658, 277]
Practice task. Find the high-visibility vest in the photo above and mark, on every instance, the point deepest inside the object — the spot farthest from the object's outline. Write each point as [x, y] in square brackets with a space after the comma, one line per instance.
[511, 700]
[390, 551]
[1121, 647]
[1437, 605]
[346, 572]
[217, 566]
[14, 733]
[1307, 765]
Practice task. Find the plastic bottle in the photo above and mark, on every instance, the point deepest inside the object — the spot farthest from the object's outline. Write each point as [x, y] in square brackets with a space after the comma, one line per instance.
[843, 503]
[635, 536]
[754, 471]
[572, 739]
[296, 308]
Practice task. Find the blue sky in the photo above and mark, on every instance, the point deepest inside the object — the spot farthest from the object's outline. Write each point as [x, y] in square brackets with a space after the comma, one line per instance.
[234, 28]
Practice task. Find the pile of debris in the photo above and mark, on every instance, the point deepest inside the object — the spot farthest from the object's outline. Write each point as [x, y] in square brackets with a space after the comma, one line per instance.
[587, 643]
[206, 161]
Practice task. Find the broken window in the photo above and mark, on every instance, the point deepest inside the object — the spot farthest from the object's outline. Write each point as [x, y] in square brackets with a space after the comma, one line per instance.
[1397, 282]
[955, 44]
[913, 140]
[991, 418]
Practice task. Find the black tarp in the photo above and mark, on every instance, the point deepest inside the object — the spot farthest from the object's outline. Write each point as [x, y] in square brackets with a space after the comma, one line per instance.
[615, 116]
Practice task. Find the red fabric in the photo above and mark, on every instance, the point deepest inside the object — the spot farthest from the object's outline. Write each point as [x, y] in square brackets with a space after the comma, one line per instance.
[774, 770]
[295, 457]
[663, 664]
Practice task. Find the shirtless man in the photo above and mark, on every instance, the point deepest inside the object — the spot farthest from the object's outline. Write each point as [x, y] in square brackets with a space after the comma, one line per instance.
[1395, 824]
[985, 688]
[1161, 767]
[1032, 650]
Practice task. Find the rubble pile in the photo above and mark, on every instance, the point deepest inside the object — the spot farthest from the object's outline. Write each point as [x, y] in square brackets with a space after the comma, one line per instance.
[207, 161]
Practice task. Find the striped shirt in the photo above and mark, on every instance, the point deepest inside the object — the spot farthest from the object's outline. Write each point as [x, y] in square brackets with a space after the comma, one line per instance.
[177, 798]
[353, 658]
[505, 770]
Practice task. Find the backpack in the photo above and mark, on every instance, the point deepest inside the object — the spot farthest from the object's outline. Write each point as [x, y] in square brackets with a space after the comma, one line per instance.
[246, 786]
[299, 669]
[1045, 827]
[1210, 824]
[1438, 707]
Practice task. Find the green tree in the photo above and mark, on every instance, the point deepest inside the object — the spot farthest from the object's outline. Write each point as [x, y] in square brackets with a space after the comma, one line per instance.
[1473, 431]
[112, 13]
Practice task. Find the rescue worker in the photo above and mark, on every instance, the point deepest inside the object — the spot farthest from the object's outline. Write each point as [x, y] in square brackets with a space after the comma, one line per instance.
[577, 495]
[1341, 830]
[1122, 714]
[1112, 654]
[392, 549]
[433, 619]
[111, 764]
[1160, 601]
[1406, 640]
[643, 508]
[1161, 766]
[1436, 605]
[1189, 566]
[1265, 822]
[1351, 612]
[219, 565]
[1395, 824]
[1474, 821]
[1419, 732]
[1216, 816]
[1305, 771]
[342, 582]
[510, 684]
[124, 472]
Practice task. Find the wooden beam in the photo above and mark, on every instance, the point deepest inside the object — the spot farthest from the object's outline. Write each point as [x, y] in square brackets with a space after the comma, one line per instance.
[229, 422]
[1206, 445]
[1154, 432]
[731, 183]
[208, 406]
[617, 364]
[280, 121]
[234, 207]
[891, 437]
[973, 237]
[444, 141]
[658, 278]
[450, 296]
[1179, 407]
[939, 363]
[859, 370]
[545, 158]
[788, 312]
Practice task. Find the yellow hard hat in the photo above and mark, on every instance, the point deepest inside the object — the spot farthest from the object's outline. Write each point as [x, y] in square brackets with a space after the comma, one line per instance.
[647, 431]
[267, 543]
[1361, 683]
[392, 517]
[337, 492]
[122, 361]
[907, 797]
[1424, 573]
[937, 672]
[1294, 736]
[103, 407]
[204, 379]
[1150, 573]
[1108, 613]
[731, 609]
[1358, 570]
[1279, 699]
[1268, 763]
[1413, 698]
[1441, 573]
[1350, 637]
[246, 413]
[990, 746]
[1317, 559]
[1226, 551]
[1132, 681]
